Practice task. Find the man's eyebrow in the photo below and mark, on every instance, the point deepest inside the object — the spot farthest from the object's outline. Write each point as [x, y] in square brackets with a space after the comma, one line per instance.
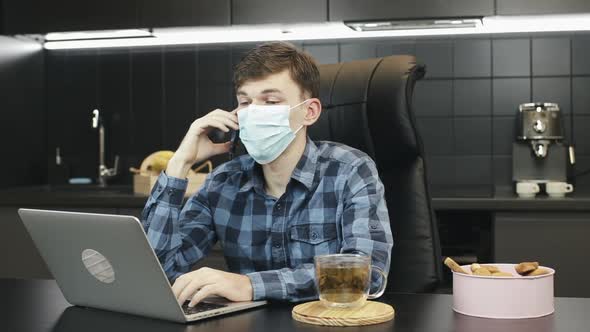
[266, 91]
[271, 91]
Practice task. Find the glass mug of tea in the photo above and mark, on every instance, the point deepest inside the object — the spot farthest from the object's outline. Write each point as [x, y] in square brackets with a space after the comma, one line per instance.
[344, 280]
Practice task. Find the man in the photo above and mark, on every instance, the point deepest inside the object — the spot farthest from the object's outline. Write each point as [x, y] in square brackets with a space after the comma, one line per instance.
[274, 209]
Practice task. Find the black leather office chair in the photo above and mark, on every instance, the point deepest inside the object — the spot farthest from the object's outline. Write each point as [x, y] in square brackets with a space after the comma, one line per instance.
[367, 105]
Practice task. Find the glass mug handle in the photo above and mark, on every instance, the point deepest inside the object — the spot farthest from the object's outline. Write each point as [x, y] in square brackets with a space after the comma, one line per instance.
[383, 284]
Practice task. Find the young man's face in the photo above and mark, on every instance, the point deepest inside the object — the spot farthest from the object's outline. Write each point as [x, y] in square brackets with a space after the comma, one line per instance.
[275, 89]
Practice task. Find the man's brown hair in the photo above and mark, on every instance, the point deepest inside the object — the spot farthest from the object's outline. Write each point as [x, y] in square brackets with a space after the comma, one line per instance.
[274, 57]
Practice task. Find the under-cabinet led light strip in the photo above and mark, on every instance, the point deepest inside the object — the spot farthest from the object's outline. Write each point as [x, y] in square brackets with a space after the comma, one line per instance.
[318, 31]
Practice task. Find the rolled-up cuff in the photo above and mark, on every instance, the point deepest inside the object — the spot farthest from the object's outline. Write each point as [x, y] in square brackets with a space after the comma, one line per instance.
[169, 189]
[267, 285]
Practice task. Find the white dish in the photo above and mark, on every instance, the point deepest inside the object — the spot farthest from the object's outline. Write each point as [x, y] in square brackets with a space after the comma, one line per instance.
[503, 297]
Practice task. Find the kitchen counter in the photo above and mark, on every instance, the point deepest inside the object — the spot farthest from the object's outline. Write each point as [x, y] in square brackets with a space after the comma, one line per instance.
[466, 198]
[115, 196]
[503, 198]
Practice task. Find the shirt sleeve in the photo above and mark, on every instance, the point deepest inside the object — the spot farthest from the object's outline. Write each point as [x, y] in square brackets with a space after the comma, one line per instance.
[286, 284]
[365, 229]
[365, 219]
[180, 236]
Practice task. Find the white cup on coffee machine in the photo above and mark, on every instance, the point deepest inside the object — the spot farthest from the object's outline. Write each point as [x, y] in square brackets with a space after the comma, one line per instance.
[527, 189]
[558, 189]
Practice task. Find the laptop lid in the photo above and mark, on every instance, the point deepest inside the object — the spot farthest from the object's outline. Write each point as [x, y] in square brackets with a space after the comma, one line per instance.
[102, 261]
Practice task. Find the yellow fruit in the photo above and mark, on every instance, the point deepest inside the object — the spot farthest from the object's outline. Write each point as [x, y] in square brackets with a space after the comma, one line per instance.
[156, 162]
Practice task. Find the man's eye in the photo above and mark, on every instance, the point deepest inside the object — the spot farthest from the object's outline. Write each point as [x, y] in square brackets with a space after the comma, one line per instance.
[244, 103]
[272, 102]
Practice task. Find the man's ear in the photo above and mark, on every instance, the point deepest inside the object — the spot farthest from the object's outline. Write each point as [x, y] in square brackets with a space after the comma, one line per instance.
[313, 111]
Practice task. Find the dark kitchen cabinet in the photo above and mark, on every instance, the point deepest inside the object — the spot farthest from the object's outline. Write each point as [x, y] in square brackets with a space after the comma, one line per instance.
[279, 11]
[36, 16]
[354, 10]
[532, 7]
[555, 239]
[169, 13]
[2, 29]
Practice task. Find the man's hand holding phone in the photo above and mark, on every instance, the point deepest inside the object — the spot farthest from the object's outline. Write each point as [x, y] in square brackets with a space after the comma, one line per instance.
[197, 146]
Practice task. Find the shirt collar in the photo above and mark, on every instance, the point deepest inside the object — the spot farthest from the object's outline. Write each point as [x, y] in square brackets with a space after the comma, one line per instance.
[304, 171]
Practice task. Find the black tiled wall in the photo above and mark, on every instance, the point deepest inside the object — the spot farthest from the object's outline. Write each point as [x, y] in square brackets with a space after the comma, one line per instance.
[22, 130]
[466, 105]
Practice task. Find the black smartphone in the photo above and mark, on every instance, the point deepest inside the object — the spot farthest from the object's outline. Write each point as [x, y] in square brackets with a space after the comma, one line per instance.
[235, 137]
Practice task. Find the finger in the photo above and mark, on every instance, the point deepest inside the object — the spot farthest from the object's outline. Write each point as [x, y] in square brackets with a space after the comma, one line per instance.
[215, 123]
[199, 278]
[233, 117]
[190, 290]
[205, 291]
[217, 110]
[179, 285]
[220, 112]
[232, 123]
[226, 114]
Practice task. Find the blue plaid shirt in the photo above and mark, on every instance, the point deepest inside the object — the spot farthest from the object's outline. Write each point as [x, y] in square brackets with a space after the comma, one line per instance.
[334, 203]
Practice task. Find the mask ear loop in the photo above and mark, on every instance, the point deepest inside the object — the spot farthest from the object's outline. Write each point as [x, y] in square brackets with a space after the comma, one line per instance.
[306, 100]
[298, 129]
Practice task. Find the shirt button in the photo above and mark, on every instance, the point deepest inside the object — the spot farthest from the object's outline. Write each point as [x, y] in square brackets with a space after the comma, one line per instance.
[373, 226]
[170, 191]
[314, 235]
[277, 245]
[159, 188]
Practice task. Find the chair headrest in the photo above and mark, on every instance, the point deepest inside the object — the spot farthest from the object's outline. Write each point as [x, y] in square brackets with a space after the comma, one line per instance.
[365, 106]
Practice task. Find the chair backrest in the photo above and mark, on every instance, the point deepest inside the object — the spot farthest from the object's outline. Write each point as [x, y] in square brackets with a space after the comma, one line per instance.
[367, 105]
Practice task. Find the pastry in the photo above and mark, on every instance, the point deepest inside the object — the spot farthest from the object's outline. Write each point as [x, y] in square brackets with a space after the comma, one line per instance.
[454, 266]
[482, 272]
[491, 268]
[502, 274]
[526, 267]
[538, 272]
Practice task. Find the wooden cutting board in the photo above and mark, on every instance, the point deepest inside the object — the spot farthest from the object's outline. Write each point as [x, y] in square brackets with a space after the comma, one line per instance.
[316, 313]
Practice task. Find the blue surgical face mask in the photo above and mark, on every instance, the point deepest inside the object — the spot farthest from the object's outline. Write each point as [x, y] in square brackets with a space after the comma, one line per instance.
[265, 130]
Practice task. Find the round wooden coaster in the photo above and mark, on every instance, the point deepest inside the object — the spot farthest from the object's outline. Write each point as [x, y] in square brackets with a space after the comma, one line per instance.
[316, 313]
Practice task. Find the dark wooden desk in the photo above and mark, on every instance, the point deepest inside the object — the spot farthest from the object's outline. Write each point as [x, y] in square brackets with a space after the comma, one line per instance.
[38, 305]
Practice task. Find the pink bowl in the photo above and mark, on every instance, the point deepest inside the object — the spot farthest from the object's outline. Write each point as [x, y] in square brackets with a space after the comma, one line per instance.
[503, 297]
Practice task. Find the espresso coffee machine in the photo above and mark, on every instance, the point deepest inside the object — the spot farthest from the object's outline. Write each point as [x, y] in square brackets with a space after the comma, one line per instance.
[540, 153]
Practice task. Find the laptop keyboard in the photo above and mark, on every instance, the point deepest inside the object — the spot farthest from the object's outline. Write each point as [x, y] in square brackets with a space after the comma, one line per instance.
[201, 307]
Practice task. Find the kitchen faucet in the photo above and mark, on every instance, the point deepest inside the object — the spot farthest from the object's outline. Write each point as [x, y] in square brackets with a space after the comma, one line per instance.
[104, 172]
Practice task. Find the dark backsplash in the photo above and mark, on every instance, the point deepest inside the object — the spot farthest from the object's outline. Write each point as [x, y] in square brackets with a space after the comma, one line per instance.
[465, 106]
[22, 126]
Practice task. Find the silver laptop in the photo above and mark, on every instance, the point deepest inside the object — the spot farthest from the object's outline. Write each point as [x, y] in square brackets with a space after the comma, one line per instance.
[105, 261]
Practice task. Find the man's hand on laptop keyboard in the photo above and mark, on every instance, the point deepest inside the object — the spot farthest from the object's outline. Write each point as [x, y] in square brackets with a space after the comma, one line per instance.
[197, 285]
